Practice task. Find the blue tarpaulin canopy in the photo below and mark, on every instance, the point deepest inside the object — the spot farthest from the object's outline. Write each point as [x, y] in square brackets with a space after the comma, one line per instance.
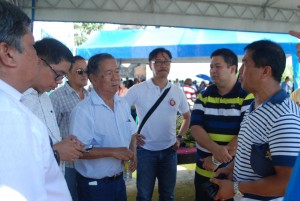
[182, 42]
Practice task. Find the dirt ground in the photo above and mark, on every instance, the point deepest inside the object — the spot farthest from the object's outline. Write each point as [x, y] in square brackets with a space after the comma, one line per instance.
[184, 185]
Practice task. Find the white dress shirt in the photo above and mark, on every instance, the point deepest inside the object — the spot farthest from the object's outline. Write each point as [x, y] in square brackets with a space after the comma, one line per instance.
[28, 169]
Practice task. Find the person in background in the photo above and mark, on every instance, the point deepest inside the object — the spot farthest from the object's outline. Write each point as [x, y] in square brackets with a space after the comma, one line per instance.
[189, 92]
[269, 138]
[202, 87]
[157, 142]
[103, 120]
[122, 89]
[28, 169]
[64, 99]
[216, 119]
[292, 192]
[56, 60]
[286, 85]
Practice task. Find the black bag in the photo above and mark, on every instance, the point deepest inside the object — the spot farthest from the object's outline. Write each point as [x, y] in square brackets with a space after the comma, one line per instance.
[211, 188]
[261, 161]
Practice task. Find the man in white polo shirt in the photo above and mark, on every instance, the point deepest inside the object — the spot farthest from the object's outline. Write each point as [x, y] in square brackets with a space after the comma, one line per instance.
[157, 141]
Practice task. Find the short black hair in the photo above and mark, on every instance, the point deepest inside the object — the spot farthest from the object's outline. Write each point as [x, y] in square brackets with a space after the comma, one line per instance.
[14, 24]
[153, 54]
[229, 56]
[78, 57]
[268, 53]
[94, 62]
[53, 51]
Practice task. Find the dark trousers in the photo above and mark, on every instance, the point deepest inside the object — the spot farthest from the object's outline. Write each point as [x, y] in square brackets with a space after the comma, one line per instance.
[201, 194]
[107, 189]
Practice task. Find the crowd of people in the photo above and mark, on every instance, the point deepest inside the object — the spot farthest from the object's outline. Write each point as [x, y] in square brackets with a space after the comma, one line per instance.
[72, 144]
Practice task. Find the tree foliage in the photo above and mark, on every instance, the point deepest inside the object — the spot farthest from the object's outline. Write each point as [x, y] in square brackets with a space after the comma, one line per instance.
[83, 30]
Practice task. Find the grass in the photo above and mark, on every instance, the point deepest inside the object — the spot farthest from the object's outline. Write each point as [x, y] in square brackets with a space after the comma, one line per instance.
[184, 190]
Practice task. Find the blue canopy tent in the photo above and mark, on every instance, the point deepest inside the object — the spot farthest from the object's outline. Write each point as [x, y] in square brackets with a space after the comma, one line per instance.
[183, 43]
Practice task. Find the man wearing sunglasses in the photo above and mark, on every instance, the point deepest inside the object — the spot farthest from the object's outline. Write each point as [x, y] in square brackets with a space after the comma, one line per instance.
[55, 61]
[64, 99]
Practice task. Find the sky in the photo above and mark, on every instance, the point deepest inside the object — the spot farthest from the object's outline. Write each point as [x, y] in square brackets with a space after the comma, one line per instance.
[64, 32]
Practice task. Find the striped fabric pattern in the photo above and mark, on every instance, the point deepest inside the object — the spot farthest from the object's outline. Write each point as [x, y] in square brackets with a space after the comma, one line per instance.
[275, 122]
[220, 116]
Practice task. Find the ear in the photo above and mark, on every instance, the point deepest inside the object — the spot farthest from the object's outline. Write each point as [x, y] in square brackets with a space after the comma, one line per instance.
[232, 69]
[7, 55]
[267, 72]
[150, 66]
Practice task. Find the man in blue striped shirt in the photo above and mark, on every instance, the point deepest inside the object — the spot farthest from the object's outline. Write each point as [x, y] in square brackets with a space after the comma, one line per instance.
[269, 138]
[216, 118]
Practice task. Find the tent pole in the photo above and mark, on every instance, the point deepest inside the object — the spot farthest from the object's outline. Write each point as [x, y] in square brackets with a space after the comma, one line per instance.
[32, 13]
[296, 72]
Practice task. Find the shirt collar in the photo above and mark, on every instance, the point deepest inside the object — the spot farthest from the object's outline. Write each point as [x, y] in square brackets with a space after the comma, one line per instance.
[277, 98]
[152, 85]
[10, 90]
[97, 100]
[70, 90]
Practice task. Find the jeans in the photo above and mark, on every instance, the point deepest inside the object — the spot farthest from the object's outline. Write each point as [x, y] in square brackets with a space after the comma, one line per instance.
[70, 175]
[156, 164]
[101, 189]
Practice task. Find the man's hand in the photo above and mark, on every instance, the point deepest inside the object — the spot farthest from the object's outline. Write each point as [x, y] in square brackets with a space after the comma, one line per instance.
[225, 191]
[221, 153]
[123, 153]
[208, 164]
[140, 140]
[69, 149]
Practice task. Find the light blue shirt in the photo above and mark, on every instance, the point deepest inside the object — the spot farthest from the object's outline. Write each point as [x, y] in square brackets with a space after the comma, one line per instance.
[93, 122]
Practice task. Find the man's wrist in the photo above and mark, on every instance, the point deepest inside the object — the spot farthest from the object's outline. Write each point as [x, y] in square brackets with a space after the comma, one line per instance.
[179, 137]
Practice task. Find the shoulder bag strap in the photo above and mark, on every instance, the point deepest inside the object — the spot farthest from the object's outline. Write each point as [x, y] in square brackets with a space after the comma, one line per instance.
[153, 108]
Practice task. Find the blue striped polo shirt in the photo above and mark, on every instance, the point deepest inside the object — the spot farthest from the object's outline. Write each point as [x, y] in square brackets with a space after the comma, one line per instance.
[276, 123]
[220, 116]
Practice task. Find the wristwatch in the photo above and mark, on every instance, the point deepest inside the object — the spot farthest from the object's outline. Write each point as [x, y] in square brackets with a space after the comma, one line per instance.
[215, 161]
[180, 138]
[236, 190]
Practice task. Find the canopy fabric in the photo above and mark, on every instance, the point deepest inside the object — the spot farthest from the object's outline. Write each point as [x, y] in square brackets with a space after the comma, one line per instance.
[182, 42]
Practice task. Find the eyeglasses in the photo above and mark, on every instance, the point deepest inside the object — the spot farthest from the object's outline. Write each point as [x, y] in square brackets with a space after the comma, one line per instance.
[80, 71]
[159, 63]
[58, 75]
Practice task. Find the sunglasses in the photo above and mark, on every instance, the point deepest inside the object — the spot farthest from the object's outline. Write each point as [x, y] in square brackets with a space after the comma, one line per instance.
[80, 71]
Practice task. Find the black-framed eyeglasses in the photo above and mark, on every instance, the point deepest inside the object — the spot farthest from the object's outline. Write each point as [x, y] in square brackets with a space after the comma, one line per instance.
[58, 75]
[159, 63]
[81, 72]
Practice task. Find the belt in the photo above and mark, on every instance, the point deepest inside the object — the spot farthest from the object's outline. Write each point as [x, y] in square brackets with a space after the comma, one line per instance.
[112, 178]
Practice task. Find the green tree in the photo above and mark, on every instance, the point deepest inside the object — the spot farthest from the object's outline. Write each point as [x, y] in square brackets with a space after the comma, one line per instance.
[83, 30]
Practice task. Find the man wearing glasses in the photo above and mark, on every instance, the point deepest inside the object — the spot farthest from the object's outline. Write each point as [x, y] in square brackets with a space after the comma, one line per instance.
[157, 142]
[55, 61]
[64, 99]
[28, 170]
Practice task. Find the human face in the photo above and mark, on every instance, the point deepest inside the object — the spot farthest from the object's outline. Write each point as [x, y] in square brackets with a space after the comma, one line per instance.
[161, 65]
[47, 78]
[27, 62]
[249, 74]
[77, 76]
[220, 72]
[108, 78]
